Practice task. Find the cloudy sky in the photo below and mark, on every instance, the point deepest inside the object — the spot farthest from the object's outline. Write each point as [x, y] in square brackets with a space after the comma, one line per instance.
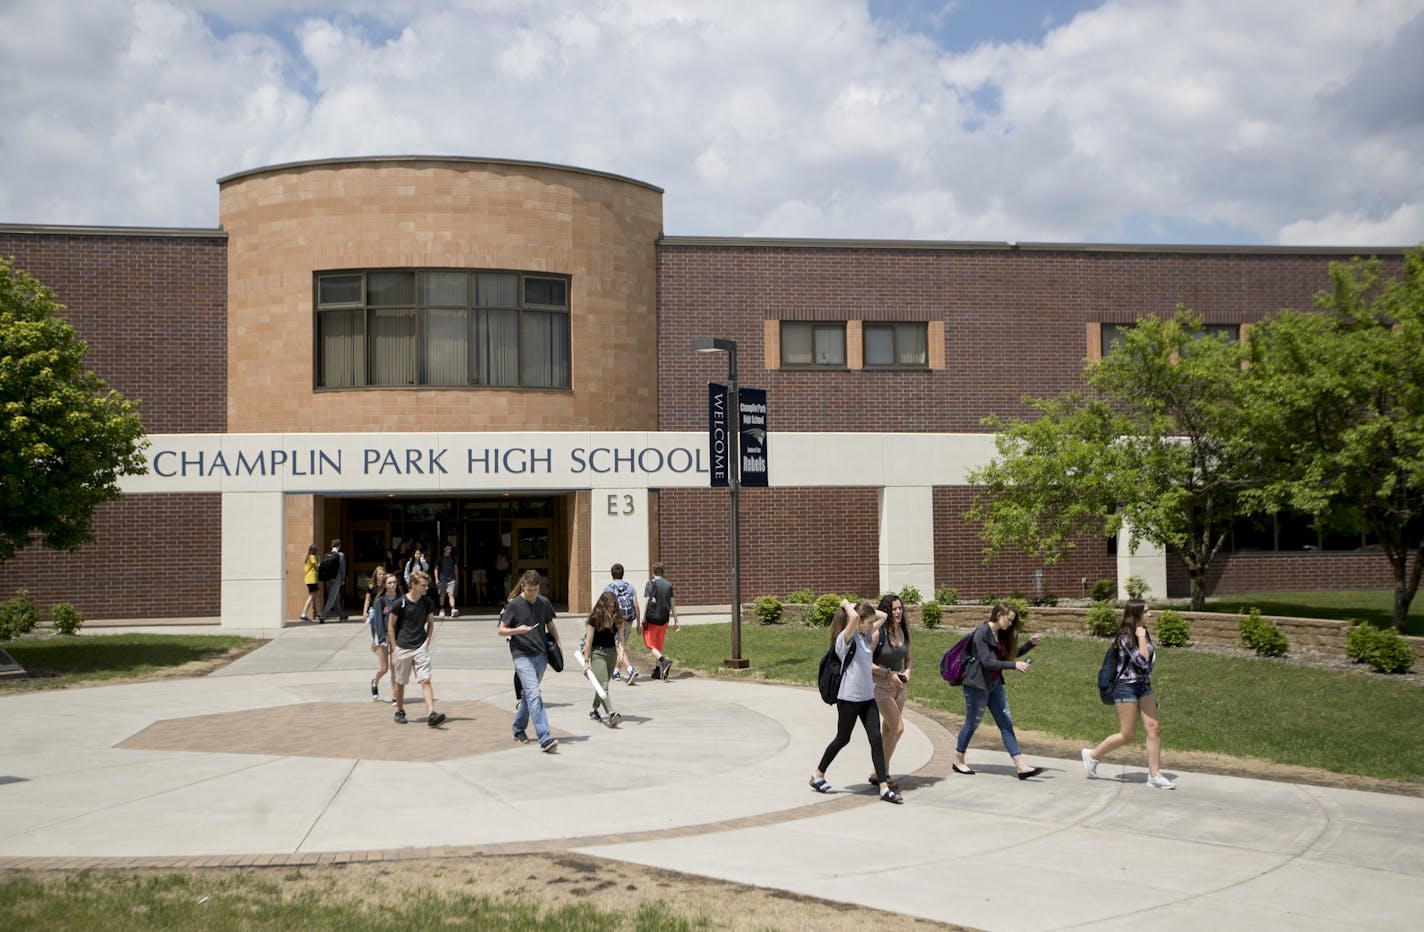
[1178, 121]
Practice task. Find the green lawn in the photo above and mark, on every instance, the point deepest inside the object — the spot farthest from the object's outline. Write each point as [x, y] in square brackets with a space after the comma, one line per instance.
[1244, 707]
[1372, 605]
[238, 900]
[95, 658]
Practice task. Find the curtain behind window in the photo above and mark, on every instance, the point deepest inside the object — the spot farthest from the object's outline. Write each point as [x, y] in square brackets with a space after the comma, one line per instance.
[544, 342]
[393, 355]
[446, 346]
[497, 344]
[342, 347]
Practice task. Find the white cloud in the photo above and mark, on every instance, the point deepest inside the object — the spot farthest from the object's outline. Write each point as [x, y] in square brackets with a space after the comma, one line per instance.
[789, 118]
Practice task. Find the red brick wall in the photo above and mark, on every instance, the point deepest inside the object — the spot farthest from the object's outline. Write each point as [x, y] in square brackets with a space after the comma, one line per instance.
[826, 540]
[1265, 572]
[154, 556]
[154, 312]
[959, 557]
[1015, 321]
[153, 309]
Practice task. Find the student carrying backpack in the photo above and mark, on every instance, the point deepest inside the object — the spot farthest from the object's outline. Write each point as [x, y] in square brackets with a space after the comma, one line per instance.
[329, 567]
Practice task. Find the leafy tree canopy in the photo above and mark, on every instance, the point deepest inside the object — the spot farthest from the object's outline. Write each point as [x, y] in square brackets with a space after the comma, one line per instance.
[1336, 416]
[1150, 444]
[64, 439]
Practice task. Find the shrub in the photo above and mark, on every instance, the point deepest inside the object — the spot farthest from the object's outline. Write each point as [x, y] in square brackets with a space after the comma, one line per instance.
[801, 597]
[1382, 649]
[1102, 620]
[946, 595]
[1136, 587]
[930, 614]
[1173, 630]
[911, 596]
[822, 610]
[1391, 653]
[1360, 644]
[1048, 599]
[1262, 635]
[1104, 590]
[65, 618]
[989, 599]
[767, 609]
[18, 616]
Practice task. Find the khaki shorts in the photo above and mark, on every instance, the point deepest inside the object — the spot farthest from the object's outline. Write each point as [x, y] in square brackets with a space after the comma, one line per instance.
[408, 659]
[890, 690]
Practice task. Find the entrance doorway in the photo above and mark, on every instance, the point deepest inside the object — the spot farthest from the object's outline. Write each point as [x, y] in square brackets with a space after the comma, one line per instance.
[495, 537]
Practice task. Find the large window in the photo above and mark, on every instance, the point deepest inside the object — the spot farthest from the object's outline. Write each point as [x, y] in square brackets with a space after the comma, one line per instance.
[806, 344]
[902, 346]
[441, 327]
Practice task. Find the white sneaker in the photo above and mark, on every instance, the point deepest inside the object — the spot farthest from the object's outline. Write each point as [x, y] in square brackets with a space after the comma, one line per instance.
[1089, 764]
[1161, 783]
[454, 613]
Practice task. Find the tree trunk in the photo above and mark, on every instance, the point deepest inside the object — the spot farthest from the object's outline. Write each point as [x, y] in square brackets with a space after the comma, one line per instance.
[1198, 577]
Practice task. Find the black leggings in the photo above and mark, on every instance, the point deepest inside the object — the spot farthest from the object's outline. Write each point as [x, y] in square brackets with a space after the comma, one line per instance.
[846, 714]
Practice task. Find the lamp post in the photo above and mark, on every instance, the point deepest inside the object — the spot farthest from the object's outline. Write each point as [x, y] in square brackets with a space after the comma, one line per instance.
[734, 485]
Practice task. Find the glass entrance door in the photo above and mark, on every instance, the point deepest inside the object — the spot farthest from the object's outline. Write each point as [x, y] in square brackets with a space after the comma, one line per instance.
[533, 541]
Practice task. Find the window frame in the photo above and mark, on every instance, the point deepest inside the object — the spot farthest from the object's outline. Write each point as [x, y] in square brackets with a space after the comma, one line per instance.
[894, 326]
[835, 326]
[480, 352]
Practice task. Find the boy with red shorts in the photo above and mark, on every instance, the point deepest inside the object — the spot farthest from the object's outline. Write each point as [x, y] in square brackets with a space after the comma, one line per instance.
[660, 608]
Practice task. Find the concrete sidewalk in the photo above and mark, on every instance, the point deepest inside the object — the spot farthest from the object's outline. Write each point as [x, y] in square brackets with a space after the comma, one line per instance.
[279, 758]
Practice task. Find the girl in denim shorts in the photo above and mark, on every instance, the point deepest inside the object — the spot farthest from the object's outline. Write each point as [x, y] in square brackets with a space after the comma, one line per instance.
[1132, 696]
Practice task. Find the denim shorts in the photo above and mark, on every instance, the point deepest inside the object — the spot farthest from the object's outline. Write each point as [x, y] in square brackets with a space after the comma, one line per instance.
[1131, 690]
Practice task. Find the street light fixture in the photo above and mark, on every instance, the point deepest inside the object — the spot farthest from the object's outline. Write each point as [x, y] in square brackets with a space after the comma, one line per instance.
[734, 485]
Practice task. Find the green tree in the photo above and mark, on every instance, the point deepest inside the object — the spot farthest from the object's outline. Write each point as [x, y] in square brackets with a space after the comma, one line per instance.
[1150, 445]
[64, 438]
[1336, 411]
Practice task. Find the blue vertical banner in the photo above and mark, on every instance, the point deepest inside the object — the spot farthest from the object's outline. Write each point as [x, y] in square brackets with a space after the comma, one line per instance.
[751, 412]
[719, 452]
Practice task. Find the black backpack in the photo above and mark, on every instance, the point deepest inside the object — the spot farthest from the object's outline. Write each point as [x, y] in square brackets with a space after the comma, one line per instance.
[329, 566]
[1107, 675]
[828, 677]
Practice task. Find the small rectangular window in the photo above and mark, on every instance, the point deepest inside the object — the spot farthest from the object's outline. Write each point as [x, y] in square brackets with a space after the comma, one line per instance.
[549, 292]
[387, 289]
[332, 290]
[1112, 333]
[903, 346]
[809, 344]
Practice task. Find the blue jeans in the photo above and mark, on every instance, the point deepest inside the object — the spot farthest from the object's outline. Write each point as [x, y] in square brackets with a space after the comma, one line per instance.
[530, 671]
[975, 701]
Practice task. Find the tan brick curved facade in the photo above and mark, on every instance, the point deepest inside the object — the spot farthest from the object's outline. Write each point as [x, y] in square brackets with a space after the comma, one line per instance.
[286, 222]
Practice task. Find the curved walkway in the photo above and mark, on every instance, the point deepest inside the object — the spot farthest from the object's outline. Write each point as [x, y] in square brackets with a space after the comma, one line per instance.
[281, 758]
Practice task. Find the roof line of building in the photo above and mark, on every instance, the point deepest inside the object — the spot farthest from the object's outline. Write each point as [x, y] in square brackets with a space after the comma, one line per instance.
[60, 229]
[467, 159]
[758, 242]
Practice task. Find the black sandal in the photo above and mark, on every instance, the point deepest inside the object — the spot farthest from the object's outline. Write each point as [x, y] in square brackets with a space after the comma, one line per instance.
[820, 785]
[890, 796]
[873, 780]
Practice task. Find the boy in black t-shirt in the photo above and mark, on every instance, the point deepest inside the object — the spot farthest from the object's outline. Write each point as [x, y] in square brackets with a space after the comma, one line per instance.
[411, 629]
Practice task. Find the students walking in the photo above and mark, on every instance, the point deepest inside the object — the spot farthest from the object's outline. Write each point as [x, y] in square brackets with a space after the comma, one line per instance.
[525, 621]
[852, 629]
[1132, 696]
[661, 607]
[993, 641]
[309, 577]
[891, 656]
[627, 598]
[603, 641]
[380, 601]
[411, 629]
